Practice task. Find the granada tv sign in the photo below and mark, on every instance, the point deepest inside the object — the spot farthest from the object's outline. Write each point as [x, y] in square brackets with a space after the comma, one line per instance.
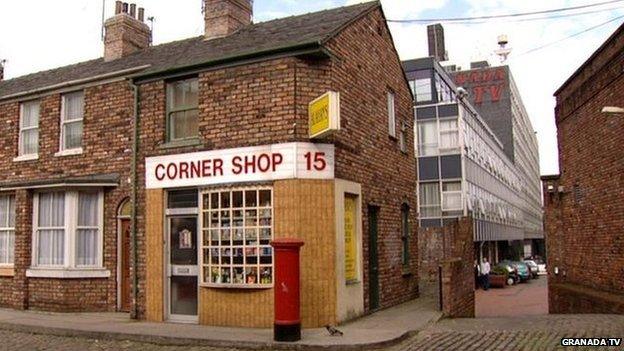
[248, 164]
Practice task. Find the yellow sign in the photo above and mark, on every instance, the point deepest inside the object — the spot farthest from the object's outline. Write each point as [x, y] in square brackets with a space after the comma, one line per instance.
[350, 216]
[324, 114]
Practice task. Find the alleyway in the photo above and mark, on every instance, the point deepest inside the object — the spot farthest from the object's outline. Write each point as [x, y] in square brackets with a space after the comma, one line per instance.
[524, 299]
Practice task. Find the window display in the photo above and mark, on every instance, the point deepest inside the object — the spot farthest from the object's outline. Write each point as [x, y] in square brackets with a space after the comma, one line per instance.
[237, 229]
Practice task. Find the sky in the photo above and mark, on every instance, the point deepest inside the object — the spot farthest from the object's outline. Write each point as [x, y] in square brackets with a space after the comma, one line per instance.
[37, 35]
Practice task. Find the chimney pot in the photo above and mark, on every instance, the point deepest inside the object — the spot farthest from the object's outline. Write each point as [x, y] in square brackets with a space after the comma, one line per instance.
[125, 34]
[118, 7]
[141, 16]
[125, 7]
[133, 10]
[2, 69]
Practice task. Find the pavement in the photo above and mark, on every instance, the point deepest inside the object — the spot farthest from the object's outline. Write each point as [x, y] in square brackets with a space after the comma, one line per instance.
[381, 329]
[524, 299]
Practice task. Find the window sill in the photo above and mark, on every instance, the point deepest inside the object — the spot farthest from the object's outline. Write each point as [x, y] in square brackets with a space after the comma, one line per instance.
[236, 286]
[63, 273]
[7, 271]
[406, 272]
[69, 152]
[23, 158]
[180, 143]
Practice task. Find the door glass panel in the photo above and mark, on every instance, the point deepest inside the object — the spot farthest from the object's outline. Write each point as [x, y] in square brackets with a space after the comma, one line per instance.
[183, 241]
[184, 295]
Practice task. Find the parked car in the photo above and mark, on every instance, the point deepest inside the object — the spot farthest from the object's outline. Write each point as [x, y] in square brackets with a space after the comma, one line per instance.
[534, 269]
[512, 272]
[541, 265]
[522, 270]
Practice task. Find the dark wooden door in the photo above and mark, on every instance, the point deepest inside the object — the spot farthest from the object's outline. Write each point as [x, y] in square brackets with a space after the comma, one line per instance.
[126, 279]
[373, 258]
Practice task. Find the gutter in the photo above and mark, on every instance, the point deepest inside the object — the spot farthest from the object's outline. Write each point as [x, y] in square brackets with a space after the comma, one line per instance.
[133, 217]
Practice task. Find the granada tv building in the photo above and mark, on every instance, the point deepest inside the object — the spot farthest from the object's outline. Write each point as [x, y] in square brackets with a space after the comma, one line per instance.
[475, 157]
[153, 179]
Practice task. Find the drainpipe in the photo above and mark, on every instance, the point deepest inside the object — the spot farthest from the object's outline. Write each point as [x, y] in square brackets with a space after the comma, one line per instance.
[135, 149]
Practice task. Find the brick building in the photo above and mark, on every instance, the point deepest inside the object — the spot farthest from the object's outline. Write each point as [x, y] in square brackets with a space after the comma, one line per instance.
[584, 205]
[210, 138]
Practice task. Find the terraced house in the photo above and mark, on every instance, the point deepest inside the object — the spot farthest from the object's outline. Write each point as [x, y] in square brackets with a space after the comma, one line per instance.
[153, 180]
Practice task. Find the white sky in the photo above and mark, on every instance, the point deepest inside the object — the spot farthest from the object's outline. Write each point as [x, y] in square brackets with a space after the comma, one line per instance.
[43, 34]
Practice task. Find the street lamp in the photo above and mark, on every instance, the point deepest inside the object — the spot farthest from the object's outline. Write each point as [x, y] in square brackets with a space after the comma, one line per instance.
[613, 110]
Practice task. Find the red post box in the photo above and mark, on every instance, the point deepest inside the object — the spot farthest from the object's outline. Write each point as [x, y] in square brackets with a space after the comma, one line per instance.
[287, 326]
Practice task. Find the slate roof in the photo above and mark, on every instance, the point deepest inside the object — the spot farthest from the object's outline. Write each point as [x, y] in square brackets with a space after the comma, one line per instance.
[254, 40]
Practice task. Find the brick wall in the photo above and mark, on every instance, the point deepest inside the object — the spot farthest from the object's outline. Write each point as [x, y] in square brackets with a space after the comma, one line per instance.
[106, 143]
[451, 249]
[584, 223]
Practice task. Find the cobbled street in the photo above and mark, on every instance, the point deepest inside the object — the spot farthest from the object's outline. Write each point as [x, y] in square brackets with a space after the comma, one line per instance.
[523, 333]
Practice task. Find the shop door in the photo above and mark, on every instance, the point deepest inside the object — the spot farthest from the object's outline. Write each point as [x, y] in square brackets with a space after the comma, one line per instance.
[183, 269]
[126, 281]
[373, 260]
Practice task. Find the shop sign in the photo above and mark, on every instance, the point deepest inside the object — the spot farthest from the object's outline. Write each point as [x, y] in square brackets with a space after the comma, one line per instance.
[350, 239]
[248, 164]
[324, 114]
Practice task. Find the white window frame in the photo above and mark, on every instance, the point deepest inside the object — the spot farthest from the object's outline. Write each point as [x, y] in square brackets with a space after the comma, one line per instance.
[444, 194]
[205, 229]
[76, 150]
[5, 227]
[69, 268]
[455, 131]
[391, 115]
[428, 206]
[421, 146]
[21, 156]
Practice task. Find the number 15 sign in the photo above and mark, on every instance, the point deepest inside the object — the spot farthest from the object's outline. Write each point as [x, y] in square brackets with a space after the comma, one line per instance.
[248, 164]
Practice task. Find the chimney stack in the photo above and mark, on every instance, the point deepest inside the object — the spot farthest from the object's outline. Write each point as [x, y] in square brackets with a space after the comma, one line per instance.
[126, 32]
[225, 17]
[437, 47]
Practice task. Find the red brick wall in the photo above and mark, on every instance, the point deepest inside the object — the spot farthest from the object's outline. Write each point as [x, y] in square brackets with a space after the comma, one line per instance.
[368, 67]
[584, 223]
[106, 143]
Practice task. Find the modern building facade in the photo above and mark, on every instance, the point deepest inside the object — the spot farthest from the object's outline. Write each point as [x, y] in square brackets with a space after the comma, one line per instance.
[585, 202]
[155, 178]
[462, 165]
[494, 94]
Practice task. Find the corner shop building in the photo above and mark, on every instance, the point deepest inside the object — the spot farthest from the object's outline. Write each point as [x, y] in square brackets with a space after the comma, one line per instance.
[223, 162]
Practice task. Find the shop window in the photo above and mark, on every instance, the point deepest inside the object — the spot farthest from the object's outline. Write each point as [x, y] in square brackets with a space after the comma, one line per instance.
[237, 229]
[427, 138]
[72, 121]
[7, 230]
[451, 196]
[429, 194]
[186, 198]
[449, 135]
[29, 129]
[391, 115]
[182, 109]
[68, 229]
[405, 257]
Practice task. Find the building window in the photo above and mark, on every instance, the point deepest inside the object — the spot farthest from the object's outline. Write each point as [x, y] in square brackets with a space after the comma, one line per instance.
[449, 135]
[391, 115]
[237, 229]
[7, 230]
[421, 86]
[427, 138]
[430, 200]
[72, 121]
[405, 234]
[182, 110]
[403, 138]
[451, 196]
[29, 129]
[68, 229]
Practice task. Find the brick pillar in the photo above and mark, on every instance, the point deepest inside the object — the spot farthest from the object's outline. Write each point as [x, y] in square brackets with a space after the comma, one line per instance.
[23, 247]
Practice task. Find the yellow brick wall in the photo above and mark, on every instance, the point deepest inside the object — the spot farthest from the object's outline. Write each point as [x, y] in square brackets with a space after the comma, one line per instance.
[302, 209]
[154, 229]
